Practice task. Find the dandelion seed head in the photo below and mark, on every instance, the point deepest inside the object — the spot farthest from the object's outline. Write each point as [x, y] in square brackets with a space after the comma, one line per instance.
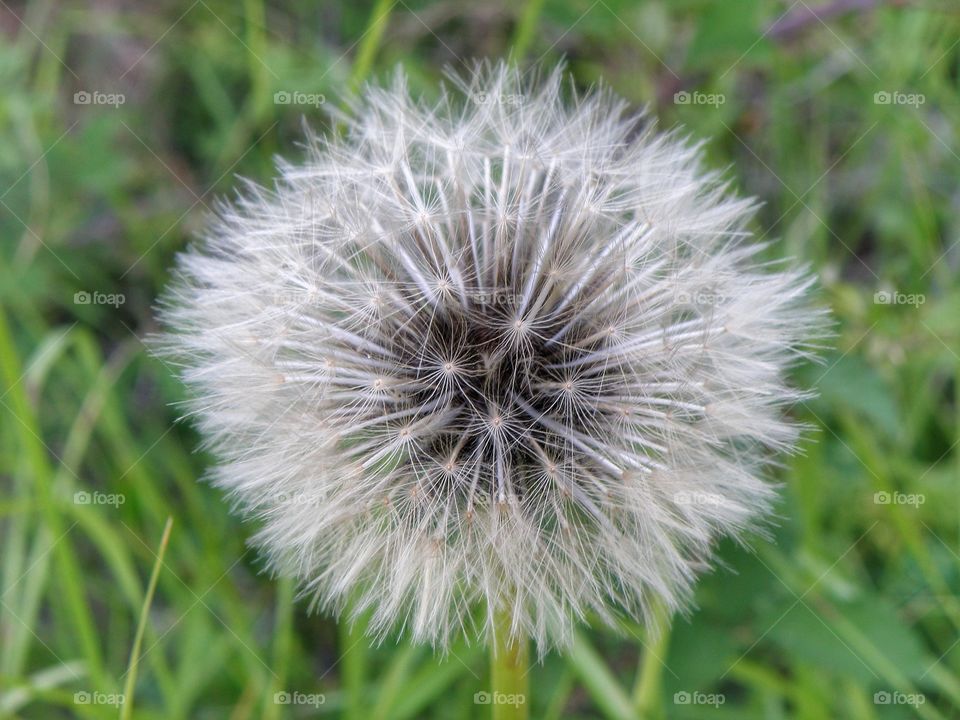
[496, 349]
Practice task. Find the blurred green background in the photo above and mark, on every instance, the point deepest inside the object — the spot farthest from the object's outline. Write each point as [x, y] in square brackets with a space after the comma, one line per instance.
[123, 121]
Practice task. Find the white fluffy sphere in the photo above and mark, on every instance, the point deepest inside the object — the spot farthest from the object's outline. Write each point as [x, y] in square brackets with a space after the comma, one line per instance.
[506, 348]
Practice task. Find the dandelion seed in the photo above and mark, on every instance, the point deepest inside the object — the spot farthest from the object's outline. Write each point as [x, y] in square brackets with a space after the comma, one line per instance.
[516, 342]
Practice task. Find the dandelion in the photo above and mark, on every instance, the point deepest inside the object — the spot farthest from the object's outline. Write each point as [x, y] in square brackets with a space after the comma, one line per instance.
[511, 354]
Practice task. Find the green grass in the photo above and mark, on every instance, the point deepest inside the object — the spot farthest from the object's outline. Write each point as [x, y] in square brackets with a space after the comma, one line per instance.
[850, 598]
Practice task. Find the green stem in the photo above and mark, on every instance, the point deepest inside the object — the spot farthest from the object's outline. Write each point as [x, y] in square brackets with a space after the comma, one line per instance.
[646, 692]
[509, 671]
[353, 664]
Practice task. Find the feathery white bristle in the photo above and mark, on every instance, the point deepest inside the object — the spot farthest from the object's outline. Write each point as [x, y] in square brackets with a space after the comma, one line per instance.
[503, 348]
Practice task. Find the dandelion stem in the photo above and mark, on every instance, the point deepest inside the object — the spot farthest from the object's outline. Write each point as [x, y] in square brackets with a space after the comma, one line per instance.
[509, 670]
[646, 692]
[353, 660]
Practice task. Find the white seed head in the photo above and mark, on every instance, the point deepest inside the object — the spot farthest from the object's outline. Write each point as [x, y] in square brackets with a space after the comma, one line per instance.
[505, 348]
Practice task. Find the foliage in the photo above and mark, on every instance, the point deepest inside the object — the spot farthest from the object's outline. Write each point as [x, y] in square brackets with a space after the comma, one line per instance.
[844, 126]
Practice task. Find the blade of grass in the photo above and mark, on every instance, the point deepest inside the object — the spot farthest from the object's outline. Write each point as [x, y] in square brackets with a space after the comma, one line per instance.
[13, 700]
[255, 21]
[282, 643]
[433, 679]
[526, 28]
[127, 707]
[29, 584]
[393, 680]
[35, 456]
[369, 42]
[603, 687]
[560, 696]
[867, 448]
